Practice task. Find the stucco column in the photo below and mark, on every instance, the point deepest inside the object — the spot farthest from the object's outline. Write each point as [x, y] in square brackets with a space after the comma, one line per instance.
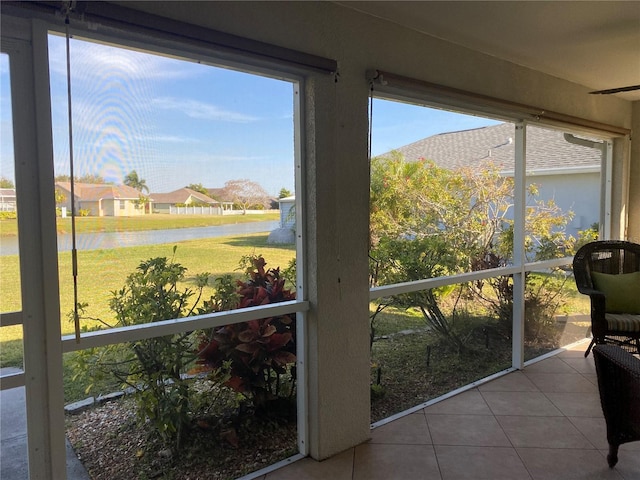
[337, 195]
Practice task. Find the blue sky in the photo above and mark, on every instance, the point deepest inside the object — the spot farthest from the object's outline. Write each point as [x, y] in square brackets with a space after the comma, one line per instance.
[177, 122]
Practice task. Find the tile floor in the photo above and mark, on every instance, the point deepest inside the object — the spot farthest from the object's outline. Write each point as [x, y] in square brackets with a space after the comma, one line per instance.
[542, 423]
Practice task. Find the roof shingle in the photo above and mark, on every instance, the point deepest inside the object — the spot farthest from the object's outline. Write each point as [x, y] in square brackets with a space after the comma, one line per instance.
[546, 149]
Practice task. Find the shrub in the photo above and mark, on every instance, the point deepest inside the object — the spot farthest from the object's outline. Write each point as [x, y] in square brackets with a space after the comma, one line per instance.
[261, 352]
[155, 368]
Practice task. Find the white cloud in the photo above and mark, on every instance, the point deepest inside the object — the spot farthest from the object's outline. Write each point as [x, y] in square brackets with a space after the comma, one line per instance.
[167, 139]
[95, 62]
[201, 110]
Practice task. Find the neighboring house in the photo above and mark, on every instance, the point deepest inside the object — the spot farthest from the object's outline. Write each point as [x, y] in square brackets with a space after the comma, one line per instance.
[7, 199]
[221, 195]
[565, 172]
[102, 200]
[287, 212]
[285, 233]
[163, 202]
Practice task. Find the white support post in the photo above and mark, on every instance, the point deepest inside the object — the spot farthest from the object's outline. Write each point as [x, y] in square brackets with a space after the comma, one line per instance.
[607, 182]
[38, 256]
[302, 385]
[519, 257]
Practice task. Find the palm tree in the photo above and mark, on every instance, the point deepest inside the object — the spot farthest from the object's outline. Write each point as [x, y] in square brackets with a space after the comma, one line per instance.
[132, 180]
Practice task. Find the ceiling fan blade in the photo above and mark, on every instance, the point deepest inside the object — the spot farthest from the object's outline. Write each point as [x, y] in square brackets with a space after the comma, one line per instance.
[616, 90]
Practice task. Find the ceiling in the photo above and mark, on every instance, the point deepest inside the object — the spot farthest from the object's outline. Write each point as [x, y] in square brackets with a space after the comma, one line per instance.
[595, 44]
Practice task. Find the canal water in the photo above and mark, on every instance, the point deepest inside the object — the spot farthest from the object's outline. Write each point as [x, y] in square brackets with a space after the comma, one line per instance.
[98, 241]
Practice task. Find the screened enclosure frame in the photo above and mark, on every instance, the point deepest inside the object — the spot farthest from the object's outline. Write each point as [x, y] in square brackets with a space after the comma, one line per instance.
[26, 43]
[392, 87]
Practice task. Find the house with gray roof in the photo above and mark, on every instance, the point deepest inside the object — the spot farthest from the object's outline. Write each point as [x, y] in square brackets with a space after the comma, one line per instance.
[102, 200]
[566, 172]
[165, 202]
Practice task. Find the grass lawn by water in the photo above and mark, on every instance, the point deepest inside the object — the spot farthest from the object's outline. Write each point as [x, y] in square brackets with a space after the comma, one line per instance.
[101, 272]
[157, 221]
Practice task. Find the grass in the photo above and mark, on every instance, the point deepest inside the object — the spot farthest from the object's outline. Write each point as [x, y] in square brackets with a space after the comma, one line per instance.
[108, 269]
[157, 221]
[411, 364]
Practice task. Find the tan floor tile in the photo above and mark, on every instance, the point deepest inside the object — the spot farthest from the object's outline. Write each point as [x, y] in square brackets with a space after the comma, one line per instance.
[544, 432]
[520, 403]
[549, 365]
[513, 382]
[391, 462]
[409, 430]
[338, 467]
[581, 364]
[628, 465]
[566, 464]
[470, 430]
[561, 382]
[470, 402]
[591, 377]
[632, 447]
[480, 463]
[594, 429]
[577, 404]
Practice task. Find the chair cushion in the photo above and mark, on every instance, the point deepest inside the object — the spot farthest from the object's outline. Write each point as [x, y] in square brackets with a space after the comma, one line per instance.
[622, 292]
[623, 322]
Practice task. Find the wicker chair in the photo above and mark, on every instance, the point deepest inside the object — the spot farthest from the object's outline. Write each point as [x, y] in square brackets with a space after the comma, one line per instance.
[619, 384]
[609, 324]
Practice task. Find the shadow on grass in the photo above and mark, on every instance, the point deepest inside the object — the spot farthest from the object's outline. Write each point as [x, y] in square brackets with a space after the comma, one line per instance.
[257, 241]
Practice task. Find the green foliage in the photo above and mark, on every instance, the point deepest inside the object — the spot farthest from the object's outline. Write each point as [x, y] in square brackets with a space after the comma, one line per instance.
[134, 181]
[198, 187]
[261, 353]
[141, 201]
[410, 260]
[284, 193]
[6, 183]
[84, 212]
[588, 235]
[59, 196]
[290, 273]
[155, 368]
[427, 221]
[86, 178]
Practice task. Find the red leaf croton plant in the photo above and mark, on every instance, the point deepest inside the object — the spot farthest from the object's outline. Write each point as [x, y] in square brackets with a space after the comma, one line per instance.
[260, 353]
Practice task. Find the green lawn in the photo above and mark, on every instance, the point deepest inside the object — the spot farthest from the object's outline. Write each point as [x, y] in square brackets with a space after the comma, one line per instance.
[157, 221]
[102, 271]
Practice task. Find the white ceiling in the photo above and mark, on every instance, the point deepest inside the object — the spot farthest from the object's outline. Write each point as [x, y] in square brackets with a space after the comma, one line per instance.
[595, 44]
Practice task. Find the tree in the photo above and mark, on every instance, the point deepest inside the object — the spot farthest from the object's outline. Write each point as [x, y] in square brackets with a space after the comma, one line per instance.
[86, 178]
[427, 221]
[91, 178]
[6, 183]
[60, 197]
[245, 194]
[284, 193]
[198, 187]
[134, 181]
